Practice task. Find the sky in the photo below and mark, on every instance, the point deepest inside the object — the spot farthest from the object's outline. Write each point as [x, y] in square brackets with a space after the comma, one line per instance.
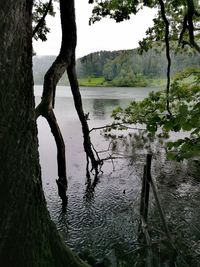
[104, 35]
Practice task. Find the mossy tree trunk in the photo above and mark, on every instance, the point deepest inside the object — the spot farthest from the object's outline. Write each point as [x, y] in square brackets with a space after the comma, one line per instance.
[28, 238]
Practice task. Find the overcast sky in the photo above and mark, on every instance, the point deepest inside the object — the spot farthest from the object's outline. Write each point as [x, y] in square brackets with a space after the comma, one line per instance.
[103, 35]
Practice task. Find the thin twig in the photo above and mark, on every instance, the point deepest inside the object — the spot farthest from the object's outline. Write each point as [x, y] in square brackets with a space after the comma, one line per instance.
[113, 125]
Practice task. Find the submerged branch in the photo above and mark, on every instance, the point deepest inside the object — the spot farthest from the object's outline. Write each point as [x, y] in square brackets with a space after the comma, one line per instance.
[62, 180]
[45, 109]
[71, 71]
[65, 61]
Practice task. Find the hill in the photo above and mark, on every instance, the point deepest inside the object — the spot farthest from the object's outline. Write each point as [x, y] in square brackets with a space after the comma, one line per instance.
[119, 68]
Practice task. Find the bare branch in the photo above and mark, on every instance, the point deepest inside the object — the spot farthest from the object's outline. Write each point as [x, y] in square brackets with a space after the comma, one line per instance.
[183, 29]
[71, 71]
[191, 12]
[163, 13]
[114, 125]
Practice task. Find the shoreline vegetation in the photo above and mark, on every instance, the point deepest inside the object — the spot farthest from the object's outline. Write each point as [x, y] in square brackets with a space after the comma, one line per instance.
[100, 82]
[124, 68]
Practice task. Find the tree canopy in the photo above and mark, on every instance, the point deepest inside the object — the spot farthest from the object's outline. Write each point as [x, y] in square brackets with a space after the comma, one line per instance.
[176, 109]
[182, 16]
[185, 110]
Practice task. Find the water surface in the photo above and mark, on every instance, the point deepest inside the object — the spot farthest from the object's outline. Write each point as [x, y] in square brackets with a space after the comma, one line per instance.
[105, 220]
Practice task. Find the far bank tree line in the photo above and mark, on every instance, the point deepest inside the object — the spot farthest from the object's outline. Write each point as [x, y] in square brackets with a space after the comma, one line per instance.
[121, 68]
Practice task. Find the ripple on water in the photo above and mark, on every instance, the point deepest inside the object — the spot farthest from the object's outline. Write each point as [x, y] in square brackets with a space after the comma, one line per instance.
[107, 218]
[102, 221]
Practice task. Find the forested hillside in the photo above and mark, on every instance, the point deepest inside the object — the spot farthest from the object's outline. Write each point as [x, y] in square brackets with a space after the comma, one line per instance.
[120, 68]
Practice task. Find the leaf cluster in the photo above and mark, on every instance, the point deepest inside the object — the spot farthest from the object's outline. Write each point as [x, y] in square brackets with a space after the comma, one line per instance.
[185, 110]
[40, 9]
[181, 15]
[115, 9]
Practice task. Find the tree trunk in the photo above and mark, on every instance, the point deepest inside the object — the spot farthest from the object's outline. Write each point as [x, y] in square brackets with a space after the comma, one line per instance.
[66, 61]
[28, 238]
[71, 71]
[45, 108]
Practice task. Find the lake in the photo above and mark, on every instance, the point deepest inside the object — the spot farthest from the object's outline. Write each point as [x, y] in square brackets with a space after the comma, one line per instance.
[105, 220]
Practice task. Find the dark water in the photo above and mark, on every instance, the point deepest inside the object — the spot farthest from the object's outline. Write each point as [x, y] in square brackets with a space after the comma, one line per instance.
[105, 220]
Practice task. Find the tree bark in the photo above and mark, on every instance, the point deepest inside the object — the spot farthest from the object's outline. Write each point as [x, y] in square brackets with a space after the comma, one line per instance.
[71, 71]
[69, 38]
[66, 61]
[45, 108]
[28, 238]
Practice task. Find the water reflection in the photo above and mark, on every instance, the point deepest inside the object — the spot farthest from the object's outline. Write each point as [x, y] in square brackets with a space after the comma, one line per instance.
[90, 188]
[101, 107]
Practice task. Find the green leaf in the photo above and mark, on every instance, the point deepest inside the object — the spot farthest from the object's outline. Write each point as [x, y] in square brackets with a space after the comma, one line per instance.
[183, 110]
[168, 125]
[152, 128]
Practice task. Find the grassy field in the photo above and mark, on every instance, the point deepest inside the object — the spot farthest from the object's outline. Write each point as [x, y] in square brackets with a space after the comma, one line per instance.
[100, 82]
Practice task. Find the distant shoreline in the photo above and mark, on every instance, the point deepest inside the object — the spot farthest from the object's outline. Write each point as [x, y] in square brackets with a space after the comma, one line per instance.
[100, 82]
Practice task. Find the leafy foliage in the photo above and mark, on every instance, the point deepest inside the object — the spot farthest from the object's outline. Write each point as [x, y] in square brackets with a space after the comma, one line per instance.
[115, 9]
[40, 10]
[177, 109]
[128, 68]
[182, 16]
[185, 109]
